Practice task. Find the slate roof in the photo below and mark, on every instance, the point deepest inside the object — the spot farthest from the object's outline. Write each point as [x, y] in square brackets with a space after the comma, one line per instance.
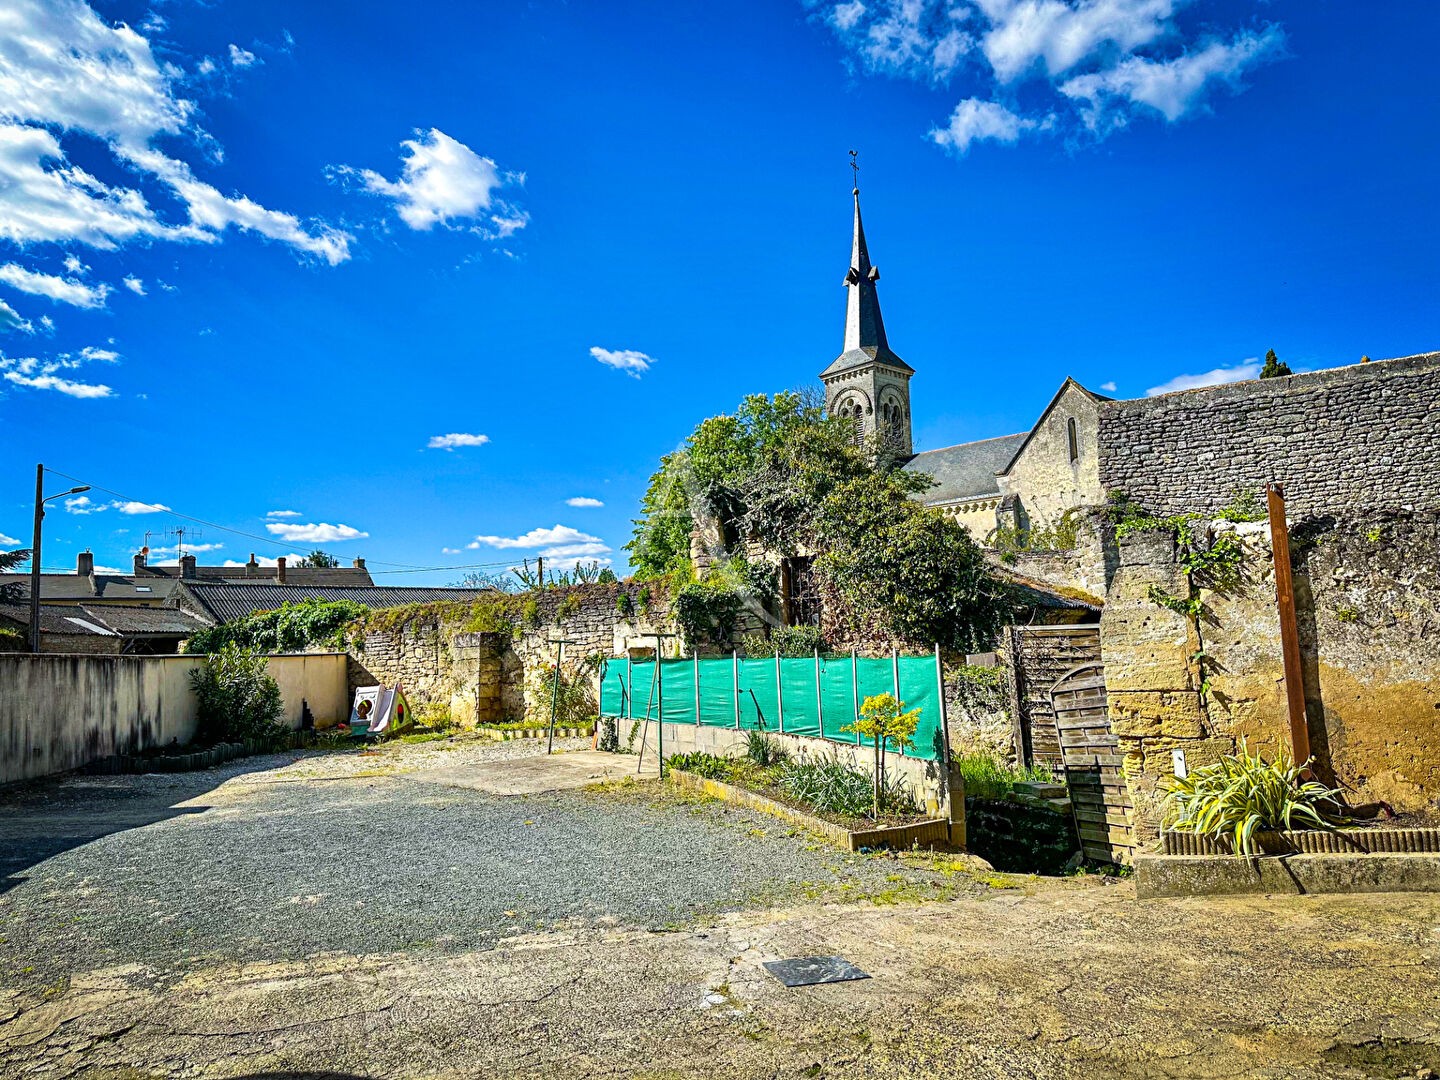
[108, 620]
[294, 575]
[966, 471]
[225, 602]
[106, 587]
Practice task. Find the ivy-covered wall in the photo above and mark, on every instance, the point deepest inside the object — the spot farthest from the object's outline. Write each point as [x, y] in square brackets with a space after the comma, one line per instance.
[477, 660]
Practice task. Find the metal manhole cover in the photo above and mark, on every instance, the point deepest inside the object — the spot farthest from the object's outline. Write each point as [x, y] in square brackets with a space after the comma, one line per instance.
[814, 970]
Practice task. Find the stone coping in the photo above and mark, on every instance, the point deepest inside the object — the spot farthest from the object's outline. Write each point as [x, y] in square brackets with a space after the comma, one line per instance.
[929, 833]
[1313, 842]
[1158, 876]
[561, 732]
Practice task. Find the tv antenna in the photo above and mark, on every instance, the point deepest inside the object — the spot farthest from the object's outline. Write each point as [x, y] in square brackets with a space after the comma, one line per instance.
[179, 533]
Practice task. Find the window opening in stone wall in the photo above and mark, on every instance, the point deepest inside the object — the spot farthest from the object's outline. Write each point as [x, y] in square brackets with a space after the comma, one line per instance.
[1074, 440]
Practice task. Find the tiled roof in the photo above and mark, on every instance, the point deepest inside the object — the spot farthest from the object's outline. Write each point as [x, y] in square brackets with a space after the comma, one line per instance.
[294, 575]
[225, 602]
[966, 471]
[1042, 594]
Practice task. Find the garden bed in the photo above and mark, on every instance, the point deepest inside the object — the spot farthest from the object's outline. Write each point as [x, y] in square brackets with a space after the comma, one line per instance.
[1371, 839]
[850, 833]
[190, 760]
[503, 734]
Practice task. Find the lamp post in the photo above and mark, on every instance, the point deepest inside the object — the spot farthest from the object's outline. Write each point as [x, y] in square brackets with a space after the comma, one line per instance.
[40, 501]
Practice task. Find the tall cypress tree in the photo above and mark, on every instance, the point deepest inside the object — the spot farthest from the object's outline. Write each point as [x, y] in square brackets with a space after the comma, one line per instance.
[1274, 367]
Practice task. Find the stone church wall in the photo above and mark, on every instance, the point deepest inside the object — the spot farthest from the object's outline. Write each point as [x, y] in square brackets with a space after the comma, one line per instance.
[1368, 605]
[1044, 477]
[1344, 440]
[483, 677]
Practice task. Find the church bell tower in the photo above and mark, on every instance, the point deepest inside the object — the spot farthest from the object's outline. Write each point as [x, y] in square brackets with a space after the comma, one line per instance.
[867, 383]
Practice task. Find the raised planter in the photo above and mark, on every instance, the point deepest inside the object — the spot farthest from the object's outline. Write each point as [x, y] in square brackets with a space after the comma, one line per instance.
[118, 764]
[930, 833]
[1215, 875]
[1313, 842]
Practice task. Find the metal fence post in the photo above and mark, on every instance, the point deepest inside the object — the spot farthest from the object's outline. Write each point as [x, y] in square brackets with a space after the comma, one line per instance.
[779, 694]
[735, 680]
[895, 676]
[855, 692]
[696, 657]
[819, 697]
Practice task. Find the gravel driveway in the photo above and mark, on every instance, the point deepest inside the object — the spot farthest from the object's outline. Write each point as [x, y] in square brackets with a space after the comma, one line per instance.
[290, 856]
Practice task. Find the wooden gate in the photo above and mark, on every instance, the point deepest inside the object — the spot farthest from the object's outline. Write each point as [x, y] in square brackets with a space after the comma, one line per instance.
[1036, 657]
[1099, 798]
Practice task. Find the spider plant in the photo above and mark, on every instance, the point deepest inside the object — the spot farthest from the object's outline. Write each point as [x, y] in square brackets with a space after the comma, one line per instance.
[1242, 795]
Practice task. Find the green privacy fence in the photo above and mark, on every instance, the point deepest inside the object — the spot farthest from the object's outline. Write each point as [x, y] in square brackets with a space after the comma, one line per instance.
[795, 695]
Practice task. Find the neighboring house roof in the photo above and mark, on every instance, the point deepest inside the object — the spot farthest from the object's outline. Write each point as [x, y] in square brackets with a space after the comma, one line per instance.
[225, 602]
[966, 471]
[294, 575]
[1041, 594]
[108, 587]
[108, 620]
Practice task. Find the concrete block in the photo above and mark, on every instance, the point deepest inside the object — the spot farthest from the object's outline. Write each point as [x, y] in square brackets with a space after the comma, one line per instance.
[1215, 875]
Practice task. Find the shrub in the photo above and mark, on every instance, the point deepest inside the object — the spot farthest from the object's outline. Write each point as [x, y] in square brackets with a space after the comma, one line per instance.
[237, 698]
[707, 612]
[701, 764]
[1242, 794]
[292, 627]
[830, 784]
[987, 777]
[787, 641]
[763, 750]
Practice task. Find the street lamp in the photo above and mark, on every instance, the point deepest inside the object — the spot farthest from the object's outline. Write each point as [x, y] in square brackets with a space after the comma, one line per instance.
[40, 501]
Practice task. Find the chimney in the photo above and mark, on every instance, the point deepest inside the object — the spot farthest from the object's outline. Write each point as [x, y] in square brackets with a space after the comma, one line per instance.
[280, 570]
[140, 557]
[252, 568]
[85, 564]
[187, 566]
[359, 564]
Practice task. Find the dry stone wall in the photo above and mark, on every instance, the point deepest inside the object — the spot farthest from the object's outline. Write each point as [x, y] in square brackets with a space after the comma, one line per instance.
[1342, 441]
[484, 677]
[1368, 607]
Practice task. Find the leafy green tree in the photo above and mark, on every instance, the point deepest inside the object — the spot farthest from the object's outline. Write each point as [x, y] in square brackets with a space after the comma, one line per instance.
[1274, 367]
[911, 569]
[290, 628]
[236, 698]
[321, 560]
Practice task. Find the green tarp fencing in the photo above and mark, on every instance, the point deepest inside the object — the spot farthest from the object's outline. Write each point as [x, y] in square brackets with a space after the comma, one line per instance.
[794, 695]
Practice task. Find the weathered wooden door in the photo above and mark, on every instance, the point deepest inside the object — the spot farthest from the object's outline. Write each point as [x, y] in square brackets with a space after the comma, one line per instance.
[1099, 797]
[1037, 656]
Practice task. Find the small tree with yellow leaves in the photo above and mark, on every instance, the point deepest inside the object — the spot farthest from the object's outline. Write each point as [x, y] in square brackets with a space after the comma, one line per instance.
[884, 720]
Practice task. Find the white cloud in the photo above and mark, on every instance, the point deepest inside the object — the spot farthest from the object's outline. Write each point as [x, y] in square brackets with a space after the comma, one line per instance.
[314, 534]
[630, 361]
[83, 504]
[37, 374]
[1173, 87]
[1109, 387]
[1250, 369]
[443, 180]
[190, 549]
[140, 507]
[65, 290]
[974, 119]
[290, 560]
[576, 551]
[537, 538]
[454, 439]
[207, 67]
[64, 71]
[9, 541]
[583, 501]
[449, 551]
[135, 285]
[243, 58]
[1099, 61]
[282, 513]
[10, 319]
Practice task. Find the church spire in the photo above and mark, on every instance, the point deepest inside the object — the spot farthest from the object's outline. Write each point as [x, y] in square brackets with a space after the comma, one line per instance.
[864, 328]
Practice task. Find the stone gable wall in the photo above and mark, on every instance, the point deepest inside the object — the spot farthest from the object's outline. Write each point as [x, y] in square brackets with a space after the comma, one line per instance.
[1341, 441]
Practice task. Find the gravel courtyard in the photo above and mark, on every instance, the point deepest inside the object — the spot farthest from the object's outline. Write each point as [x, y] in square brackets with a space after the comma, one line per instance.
[340, 914]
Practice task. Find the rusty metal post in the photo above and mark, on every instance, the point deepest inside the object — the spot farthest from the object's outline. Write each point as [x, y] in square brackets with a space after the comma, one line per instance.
[1289, 629]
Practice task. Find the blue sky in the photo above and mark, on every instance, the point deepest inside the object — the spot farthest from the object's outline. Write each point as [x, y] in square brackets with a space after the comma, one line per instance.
[258, 257]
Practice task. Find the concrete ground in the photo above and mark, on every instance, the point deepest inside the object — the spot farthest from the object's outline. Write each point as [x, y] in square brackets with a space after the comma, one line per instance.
[348, 915]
